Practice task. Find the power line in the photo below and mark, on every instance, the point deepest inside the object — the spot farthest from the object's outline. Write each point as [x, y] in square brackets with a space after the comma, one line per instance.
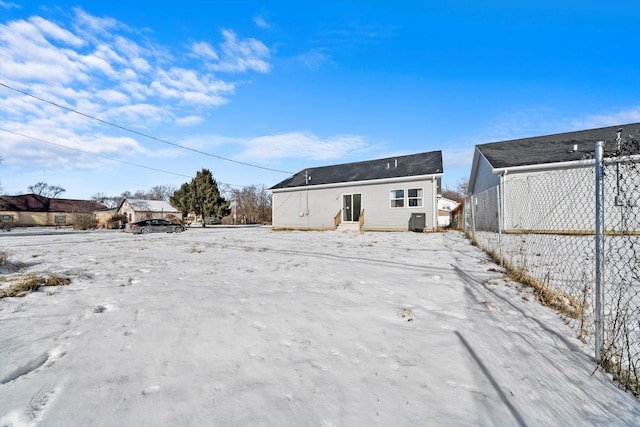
[104, 157]
[141, 133]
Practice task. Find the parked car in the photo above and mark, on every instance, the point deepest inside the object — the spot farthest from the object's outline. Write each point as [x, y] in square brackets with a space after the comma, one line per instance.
[153, 226]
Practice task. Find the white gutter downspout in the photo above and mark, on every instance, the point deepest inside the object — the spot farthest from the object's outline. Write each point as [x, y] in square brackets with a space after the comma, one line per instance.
[502, 189]
[273, 210]
[435, 212]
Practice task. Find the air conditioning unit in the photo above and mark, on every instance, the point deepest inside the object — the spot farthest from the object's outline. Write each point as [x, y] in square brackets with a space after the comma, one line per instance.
[417, 222]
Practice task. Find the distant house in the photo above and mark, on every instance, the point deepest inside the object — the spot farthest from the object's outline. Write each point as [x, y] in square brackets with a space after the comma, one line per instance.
[523, 184]
[445, 206]
[34, 210]
[391, 194]
[138, 209]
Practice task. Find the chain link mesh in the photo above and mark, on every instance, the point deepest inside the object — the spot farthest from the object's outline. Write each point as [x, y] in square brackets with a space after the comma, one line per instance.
[540, 225]
[622, 253]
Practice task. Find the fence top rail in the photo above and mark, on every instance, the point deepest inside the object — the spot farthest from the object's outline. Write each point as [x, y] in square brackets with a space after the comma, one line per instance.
[634, 158]
[544, 166]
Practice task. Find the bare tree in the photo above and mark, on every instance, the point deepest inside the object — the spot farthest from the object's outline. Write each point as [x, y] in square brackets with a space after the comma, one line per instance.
[161, 192]
[253, 204]
[109, 202]
[46, 190]
[463, 186]
[158, 192]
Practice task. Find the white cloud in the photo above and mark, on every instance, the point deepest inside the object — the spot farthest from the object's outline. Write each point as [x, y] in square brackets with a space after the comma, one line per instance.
[302, 145]
[189, 121]
[101, 67]
[204, 50]
[457, 157]
[630, 115]
[54, 148]
[242, 55]
[191, 87]
[26, 54]
[141, 115]
[8, 5]
[93, 25]
[96, 63]
[113, 96]
[48, 28]
[314, 59]
[261, 22]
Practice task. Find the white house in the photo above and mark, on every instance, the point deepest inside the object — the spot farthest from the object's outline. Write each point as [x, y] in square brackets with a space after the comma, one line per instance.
[391, 194]
[445, 206]
[544, 183]
[138, 209]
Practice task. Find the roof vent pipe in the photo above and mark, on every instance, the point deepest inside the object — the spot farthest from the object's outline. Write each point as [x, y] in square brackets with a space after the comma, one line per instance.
[619, 138]
[396, 163]
[575, 147]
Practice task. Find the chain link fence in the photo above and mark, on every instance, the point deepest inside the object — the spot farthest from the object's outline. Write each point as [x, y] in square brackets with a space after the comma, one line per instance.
[541, 226]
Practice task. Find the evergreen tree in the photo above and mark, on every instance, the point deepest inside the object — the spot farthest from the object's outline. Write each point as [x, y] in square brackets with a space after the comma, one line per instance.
[201, 196]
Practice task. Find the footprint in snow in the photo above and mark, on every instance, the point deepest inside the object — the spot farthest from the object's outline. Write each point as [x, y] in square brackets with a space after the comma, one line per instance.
[46, 359]
[259, 326]
[40, 402]
[151, 390]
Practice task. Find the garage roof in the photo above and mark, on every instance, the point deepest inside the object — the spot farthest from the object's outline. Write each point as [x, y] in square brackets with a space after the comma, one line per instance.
[554, 148]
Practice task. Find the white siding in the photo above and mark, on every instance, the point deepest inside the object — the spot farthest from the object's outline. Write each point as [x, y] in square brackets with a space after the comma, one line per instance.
[302, 209]
[550, 200]
[290, 206]
[484, 176]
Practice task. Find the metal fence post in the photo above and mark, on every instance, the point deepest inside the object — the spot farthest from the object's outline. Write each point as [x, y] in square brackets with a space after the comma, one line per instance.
[599, 315]
[499, 225]
[473, 216]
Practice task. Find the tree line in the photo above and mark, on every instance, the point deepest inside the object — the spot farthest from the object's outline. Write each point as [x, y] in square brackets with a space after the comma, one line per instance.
[207, 200]
[202, 197]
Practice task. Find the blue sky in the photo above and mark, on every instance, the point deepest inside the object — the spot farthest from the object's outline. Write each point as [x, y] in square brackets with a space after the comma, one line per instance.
[286, 85]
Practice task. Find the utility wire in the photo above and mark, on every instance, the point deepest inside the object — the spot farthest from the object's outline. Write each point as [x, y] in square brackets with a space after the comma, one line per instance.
[142, 134]
[103, 157]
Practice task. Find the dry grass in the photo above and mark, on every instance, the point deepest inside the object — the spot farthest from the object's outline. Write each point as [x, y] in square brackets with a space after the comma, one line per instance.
[628, 379]
[561, 301]
[7, 265]
[31, 283]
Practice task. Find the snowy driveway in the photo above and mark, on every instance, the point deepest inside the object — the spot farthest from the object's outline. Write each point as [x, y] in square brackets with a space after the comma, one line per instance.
[245, 327]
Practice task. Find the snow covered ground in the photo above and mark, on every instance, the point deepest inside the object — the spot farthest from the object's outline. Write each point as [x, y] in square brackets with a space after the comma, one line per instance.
[252, 327]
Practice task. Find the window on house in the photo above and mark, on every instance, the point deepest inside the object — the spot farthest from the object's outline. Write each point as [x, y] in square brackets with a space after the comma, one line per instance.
[60, 219]
[6, 218]
[397, 198]
[415, 197]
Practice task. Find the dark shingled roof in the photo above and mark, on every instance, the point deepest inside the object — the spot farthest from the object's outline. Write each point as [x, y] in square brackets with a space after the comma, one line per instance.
[36, 203]
[554, 148]
[390, 167]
